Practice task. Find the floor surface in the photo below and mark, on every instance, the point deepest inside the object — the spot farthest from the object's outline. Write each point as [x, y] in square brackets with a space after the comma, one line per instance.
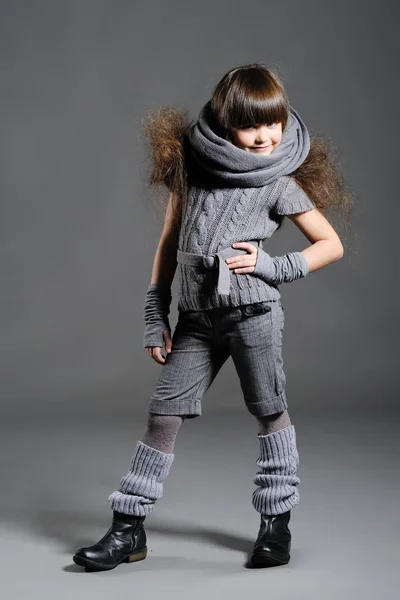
[56, 478]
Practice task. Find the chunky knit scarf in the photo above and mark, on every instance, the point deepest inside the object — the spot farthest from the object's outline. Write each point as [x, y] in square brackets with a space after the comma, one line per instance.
[236, 167]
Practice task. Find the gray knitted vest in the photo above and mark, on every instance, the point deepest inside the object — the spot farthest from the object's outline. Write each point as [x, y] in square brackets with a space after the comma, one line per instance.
[249, 195]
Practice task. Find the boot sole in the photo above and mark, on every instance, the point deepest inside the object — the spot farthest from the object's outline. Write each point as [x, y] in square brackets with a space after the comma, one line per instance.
[267, 560]
[93, 566]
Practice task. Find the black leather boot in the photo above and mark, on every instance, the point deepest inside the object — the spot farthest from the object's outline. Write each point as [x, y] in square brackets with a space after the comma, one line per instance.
[125, 541]
[272, 547]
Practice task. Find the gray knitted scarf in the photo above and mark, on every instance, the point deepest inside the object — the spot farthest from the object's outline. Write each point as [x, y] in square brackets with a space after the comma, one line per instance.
[238, 168]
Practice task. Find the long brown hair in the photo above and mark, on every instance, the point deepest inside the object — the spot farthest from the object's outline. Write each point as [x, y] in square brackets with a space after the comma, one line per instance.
[249, 94]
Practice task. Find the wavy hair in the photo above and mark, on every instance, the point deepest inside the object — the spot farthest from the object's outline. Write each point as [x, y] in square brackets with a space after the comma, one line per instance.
[246, 95]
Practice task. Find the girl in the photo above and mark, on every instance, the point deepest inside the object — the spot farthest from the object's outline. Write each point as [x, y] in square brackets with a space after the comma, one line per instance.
[233, 175]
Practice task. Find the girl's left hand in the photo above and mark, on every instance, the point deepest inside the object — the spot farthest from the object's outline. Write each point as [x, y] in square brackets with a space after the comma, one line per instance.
[243, 263]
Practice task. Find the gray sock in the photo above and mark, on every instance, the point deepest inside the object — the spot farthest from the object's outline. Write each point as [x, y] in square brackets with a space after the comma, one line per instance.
[277, 481]
[143, 484]
[275, 422]
[161, 431]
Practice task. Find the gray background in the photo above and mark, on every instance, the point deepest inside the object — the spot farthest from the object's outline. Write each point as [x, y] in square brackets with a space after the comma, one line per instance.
[78, 237]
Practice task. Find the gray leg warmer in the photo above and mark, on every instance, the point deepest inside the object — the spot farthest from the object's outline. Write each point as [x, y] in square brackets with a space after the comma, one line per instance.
[277, 481]
[143, 484]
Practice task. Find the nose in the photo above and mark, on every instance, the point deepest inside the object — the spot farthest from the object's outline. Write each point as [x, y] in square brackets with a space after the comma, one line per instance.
[262, 136]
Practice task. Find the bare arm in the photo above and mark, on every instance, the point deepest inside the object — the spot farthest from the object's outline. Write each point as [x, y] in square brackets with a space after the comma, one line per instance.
[165, 263]
[326, 246]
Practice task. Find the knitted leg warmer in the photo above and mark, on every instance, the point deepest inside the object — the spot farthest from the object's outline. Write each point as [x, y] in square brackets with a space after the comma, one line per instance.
[277, 481]
[143, 484]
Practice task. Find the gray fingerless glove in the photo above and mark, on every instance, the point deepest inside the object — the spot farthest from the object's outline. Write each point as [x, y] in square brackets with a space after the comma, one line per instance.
[280, 269]
[156, 311]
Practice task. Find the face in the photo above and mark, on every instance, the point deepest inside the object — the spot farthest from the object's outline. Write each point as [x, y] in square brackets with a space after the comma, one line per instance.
[260, 139]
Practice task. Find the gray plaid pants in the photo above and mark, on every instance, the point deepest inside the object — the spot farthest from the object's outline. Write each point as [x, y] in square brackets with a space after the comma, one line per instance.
[201, 343]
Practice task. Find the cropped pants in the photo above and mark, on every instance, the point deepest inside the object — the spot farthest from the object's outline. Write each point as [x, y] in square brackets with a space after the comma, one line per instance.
[201, 343]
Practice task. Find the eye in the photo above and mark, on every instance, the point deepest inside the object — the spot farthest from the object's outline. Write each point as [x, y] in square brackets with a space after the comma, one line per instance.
[271, 125]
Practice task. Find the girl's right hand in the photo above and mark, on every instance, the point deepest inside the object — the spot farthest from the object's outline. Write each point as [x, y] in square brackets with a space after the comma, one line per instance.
[155, 351]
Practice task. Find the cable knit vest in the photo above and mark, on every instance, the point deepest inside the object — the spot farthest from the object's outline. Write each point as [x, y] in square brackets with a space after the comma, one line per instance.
[251, 196]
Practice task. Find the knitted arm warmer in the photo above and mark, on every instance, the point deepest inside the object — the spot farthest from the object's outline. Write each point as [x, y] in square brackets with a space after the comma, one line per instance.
[156, 311]
[280, 269]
